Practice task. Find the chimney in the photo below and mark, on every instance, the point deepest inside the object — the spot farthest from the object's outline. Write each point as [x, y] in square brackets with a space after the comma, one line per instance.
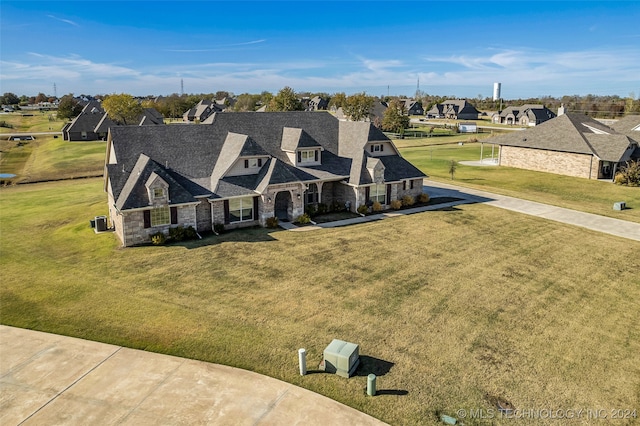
[561, 110]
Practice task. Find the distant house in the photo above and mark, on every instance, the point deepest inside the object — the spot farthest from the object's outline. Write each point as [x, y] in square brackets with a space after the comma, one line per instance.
[456, 109]
[375, 115]
[93, 123]
[412, 107]
[570, 144]
[317, 104]
[525, 115]
[202, 111]
[245, 168]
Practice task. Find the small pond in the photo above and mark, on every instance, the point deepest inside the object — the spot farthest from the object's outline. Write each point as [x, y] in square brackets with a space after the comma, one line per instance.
[7, 175]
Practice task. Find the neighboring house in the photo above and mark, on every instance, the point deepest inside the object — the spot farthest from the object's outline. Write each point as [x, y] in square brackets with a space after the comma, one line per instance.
[571, 144]
[83, 127]
[375, 115]
[456, 109]
[412, 107]
[246, 167]
[317, 104]
[202, 111]
[93, 123]
[525, 115]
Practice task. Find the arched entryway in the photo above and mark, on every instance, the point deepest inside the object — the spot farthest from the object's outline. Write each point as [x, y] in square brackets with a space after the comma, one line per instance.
[283, 205]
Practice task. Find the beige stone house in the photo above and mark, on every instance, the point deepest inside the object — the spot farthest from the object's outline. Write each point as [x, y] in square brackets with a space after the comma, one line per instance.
[570, 144]
[244, 168]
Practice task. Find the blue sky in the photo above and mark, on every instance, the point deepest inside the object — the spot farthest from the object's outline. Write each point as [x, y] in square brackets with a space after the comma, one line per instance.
[534, 48]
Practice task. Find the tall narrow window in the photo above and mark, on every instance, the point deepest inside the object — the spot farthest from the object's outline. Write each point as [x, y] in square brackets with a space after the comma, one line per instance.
[378, 193]
[311, 196]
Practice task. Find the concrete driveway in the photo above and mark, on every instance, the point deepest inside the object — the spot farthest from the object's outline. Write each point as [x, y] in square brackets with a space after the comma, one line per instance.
[46, 379]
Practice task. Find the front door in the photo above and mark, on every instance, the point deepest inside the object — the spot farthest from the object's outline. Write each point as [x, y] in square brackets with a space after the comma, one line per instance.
[282, 205]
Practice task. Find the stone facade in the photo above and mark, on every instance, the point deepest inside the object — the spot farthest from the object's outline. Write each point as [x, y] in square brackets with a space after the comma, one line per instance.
[563, 163]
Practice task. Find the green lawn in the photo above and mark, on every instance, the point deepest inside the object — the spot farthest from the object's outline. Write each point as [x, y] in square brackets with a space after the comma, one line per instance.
[465, 305]
[586, 195]
[31, 121]
[49, 158]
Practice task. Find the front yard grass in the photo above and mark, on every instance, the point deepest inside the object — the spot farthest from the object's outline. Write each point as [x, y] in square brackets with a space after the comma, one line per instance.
[468, 304]
[580, 194]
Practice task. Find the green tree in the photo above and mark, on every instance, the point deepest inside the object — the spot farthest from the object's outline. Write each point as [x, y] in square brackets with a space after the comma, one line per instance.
[9, 99]
[358, 107]
[285, 100]
[122, 108]
[68, 107]
[395, 117]
[338, 100]
[246, 102]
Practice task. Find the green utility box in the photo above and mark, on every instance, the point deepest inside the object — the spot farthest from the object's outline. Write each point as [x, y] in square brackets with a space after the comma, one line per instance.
[341, 358]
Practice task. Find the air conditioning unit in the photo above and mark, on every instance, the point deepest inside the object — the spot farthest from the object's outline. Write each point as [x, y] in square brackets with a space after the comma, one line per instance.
[101, 223]
[341, 358]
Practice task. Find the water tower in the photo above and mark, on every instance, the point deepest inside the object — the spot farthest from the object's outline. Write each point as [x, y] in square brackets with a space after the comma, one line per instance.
[496, 91]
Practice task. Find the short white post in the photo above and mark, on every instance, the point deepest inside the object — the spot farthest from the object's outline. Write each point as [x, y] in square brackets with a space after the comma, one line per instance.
[302, 358]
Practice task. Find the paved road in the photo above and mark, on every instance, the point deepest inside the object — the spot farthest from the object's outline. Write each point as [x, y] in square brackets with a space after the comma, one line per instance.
[617, 227]
[46, 379]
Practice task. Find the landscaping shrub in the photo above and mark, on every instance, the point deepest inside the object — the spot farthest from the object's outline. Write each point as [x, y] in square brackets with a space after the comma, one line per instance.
[408, 200]
[218, 228]
[337, 206]
[363, 209]
[396, 204]
[180, 233]
[322, 208]
[5, 124]
[177, 233]
[272, 222]
[190, 233]
[303, 219]
[424, 197]
[158, 238]
[311, 210]
[629, 174]
[376, 207]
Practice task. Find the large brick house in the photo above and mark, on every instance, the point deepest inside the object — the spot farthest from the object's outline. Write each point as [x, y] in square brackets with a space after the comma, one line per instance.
[244, 168]
[570, 144]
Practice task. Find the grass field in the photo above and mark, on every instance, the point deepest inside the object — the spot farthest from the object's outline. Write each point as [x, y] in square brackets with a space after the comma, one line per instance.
[452, 309]
[49, 158]
[31, 121]
[585, 195]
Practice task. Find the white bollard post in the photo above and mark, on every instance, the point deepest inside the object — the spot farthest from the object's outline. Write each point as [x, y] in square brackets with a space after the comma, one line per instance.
[302, 358]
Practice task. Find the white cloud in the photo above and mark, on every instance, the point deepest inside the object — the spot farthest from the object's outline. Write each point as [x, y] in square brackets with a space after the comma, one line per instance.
[66, 21]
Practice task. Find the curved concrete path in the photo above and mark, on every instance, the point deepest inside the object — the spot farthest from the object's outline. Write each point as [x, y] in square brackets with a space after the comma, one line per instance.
[46, 379]
[608, 225]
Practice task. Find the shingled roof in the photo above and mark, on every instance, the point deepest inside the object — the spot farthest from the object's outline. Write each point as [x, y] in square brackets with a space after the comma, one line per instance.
[196, 158]
[570, 132]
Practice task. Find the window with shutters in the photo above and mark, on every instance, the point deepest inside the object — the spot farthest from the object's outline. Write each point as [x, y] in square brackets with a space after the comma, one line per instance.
[378, 193]
[252, 163]
[160, 216]
[240, 209]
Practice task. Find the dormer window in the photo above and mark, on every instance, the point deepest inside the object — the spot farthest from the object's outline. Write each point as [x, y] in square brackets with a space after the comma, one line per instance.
[158, 192]
[252, 163]
[377, 147]
[308, 156]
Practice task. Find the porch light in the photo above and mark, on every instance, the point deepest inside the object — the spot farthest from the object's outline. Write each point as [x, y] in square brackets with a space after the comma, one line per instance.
[268, 199]
[298, 196]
